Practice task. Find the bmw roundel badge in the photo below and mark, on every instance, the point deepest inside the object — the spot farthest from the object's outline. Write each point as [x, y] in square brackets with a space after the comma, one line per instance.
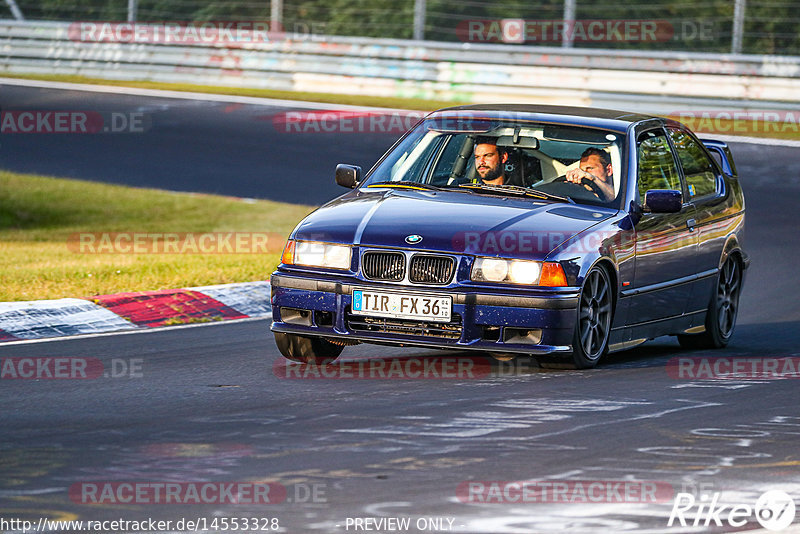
[413, 239]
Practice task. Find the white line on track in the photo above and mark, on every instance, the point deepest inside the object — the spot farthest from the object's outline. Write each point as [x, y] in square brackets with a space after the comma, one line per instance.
[181, 95]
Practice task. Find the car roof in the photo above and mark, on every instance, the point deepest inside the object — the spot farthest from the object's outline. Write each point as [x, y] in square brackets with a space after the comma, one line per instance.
[608, 119]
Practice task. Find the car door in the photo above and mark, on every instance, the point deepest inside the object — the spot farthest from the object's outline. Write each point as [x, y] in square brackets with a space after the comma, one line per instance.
[705, 191]
[666, 243]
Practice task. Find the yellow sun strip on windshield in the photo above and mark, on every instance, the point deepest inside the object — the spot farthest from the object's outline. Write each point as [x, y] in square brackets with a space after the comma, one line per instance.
[532, 192]
[401, 186]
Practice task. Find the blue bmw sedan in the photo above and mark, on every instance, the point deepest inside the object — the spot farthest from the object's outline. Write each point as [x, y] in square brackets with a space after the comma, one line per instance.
[561, 233]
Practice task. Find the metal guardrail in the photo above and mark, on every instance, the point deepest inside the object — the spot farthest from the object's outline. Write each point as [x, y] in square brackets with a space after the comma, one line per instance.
[661, 82]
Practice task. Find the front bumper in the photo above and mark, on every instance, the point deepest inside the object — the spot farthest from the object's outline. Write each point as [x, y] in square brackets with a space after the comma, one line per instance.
[522, 321]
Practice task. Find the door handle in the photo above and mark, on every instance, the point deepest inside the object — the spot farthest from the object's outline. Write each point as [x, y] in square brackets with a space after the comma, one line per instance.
[690, 224]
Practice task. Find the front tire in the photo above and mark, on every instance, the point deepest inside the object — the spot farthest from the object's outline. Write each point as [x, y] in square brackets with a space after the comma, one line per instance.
[722, 310]
[593, 329]
[593, 324]
[306, 349]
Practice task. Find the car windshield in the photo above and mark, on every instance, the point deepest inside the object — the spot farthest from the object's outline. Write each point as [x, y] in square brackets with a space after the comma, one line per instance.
[533, 158]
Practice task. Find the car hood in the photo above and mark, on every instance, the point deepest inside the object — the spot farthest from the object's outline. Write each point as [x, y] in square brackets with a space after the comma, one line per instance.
[455, 222]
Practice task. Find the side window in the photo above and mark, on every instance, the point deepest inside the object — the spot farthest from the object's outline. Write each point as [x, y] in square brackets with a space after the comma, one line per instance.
[699, 170]
[657, 168]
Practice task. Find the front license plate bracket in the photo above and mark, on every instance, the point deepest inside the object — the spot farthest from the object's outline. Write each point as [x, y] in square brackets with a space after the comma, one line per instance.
[401, 305]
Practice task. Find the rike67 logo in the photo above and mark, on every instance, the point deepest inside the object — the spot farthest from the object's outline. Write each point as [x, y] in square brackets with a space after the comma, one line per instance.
[774, 510]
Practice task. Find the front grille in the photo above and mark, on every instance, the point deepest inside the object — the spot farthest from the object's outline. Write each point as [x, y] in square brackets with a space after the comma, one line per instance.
[384, 265]
[451, 330]
[427, 269]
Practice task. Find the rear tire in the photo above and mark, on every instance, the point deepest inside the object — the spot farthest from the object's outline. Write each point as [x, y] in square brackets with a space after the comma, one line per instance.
[722, 310]
[305, 349]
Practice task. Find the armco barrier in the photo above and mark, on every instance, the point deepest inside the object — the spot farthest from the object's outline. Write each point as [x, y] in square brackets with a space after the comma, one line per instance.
[659, 82]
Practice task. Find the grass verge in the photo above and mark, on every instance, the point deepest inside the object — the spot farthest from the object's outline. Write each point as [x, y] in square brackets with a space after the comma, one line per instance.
[40, 218]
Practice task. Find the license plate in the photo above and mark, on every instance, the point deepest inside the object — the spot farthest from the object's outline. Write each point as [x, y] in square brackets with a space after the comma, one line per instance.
[402, 305]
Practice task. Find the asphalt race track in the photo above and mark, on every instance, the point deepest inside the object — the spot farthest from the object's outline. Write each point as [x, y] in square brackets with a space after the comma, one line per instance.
[212, 403]
[186, 145]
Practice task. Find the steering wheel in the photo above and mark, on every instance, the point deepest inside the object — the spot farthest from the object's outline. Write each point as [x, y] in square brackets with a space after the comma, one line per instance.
[584, 181]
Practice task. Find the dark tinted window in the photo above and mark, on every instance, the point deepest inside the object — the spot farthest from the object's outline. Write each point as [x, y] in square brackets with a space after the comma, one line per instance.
[448, 163]
[699, 170]
[657, 168]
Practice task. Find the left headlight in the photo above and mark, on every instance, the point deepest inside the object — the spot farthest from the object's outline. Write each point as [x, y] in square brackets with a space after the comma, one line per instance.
[316, 254]
[523, 272]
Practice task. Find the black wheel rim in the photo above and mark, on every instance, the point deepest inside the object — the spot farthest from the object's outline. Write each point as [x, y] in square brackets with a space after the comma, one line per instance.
[728, 297]
[594, 315]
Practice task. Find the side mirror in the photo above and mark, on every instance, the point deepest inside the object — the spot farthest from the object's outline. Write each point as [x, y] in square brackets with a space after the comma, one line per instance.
[348, 175]
[663, 201]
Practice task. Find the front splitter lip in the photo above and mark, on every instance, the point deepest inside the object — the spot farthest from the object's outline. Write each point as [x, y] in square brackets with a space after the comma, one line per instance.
[391, 339]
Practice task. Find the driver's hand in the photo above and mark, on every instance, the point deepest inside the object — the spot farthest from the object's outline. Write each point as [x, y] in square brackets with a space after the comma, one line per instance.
[576, 175]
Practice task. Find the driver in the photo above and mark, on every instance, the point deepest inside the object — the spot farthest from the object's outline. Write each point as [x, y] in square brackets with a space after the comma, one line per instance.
[489, 161]
[595, 166]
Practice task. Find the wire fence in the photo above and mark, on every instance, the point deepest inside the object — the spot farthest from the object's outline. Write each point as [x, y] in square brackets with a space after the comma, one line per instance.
[767, 26]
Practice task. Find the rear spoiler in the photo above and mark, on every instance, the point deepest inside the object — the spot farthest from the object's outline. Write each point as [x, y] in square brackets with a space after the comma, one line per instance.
[726, 157]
